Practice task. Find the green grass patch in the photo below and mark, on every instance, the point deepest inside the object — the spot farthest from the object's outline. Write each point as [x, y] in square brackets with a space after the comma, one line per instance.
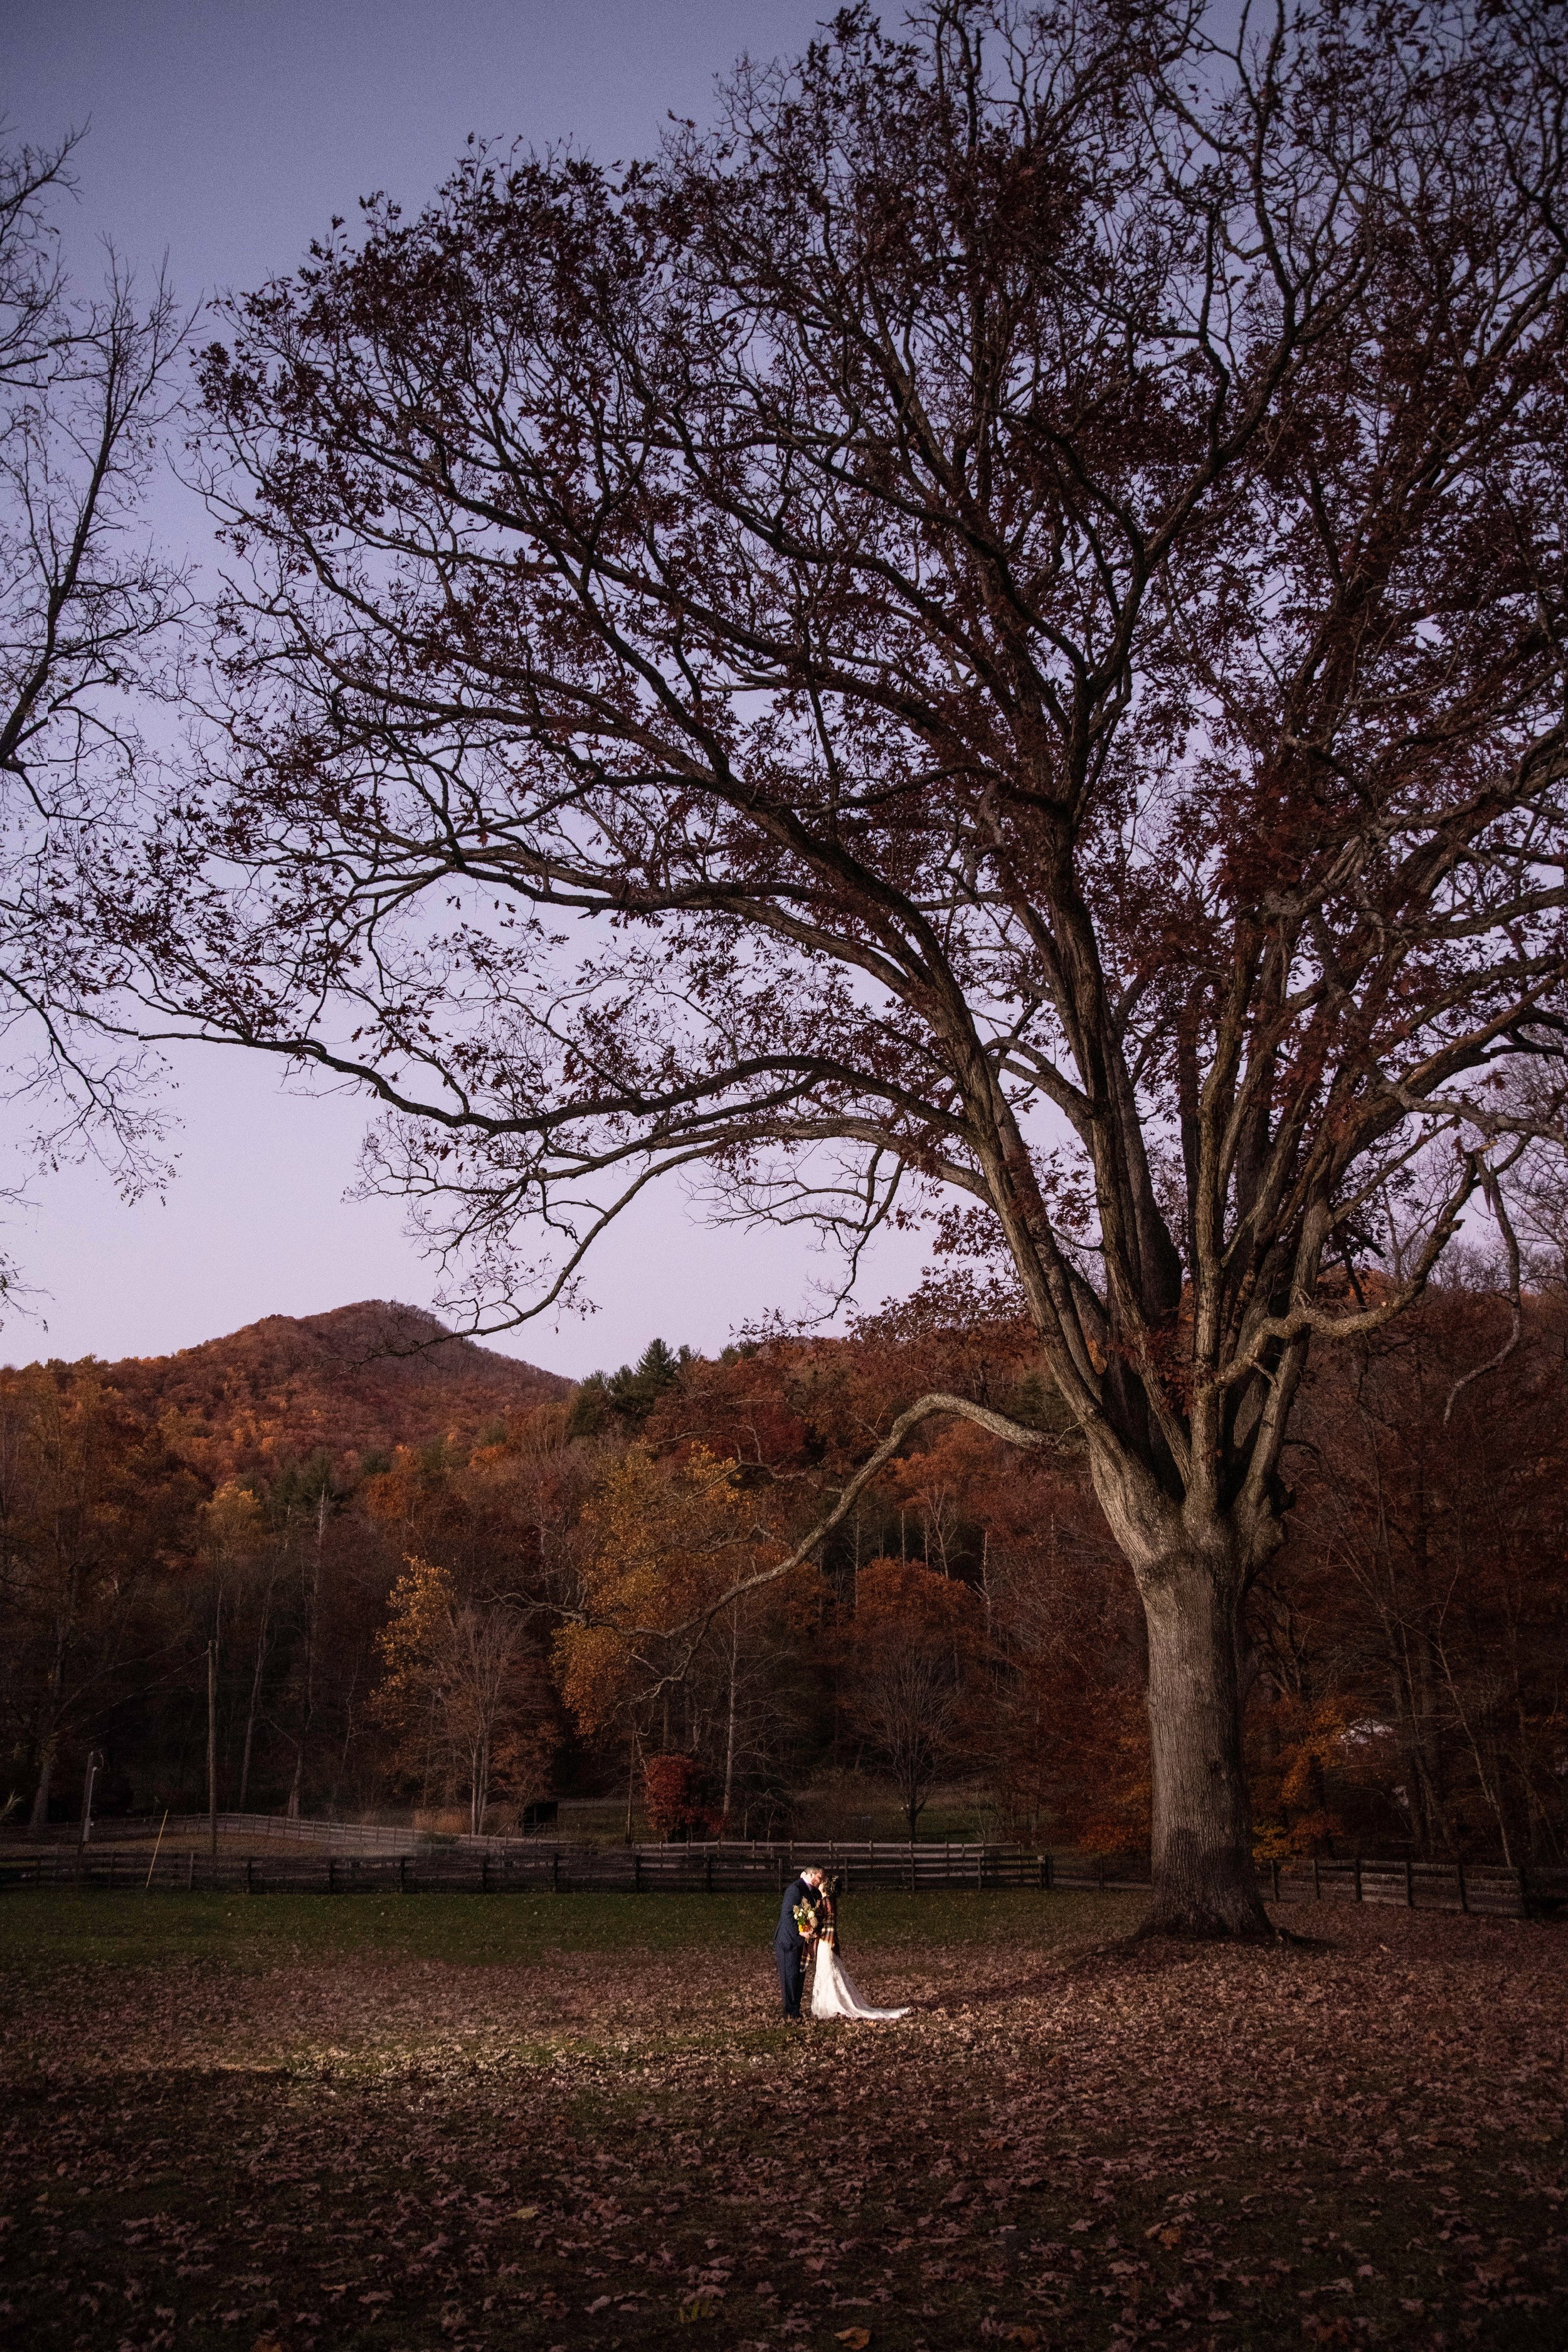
[44, 1927]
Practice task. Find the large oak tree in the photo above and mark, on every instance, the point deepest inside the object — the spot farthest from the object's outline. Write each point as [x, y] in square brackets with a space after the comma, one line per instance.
[990, 628]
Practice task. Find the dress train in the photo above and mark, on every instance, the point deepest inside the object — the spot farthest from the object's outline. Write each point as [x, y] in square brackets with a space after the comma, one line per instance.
[834, 1993]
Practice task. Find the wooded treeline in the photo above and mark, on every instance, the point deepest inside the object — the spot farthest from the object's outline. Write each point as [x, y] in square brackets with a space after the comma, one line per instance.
[487, 1614]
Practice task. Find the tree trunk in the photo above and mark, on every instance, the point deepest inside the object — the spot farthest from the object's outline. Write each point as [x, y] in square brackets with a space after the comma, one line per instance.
[49, 1745]
[41, 1793]
[255, 1696]
[1205, 1880]
[730, 1726]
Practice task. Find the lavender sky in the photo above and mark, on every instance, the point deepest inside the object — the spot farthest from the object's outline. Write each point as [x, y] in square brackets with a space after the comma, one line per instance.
[222, 135]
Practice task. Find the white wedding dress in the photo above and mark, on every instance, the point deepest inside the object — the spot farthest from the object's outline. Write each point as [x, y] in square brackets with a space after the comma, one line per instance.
[833, 1993]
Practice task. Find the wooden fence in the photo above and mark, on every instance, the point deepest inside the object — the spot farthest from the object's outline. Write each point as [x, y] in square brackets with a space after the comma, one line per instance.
[532, 1866]
[497, 1866]
[288, 1829]
[1488, 1889]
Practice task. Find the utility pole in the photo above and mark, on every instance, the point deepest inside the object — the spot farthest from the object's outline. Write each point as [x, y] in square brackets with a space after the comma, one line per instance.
[212, 1747]
[93, 1760]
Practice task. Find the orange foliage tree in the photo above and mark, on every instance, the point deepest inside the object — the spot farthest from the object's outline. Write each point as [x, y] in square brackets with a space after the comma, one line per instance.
[669, 1793]
[665, 1538]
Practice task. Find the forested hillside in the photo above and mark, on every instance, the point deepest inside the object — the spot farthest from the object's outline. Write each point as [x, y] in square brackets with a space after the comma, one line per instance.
[435, 1575]
[354, 1381]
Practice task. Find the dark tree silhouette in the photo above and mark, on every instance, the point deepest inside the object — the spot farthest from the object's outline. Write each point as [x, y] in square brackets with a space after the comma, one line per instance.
[913, 1635]
[85, 388]
[991, 629]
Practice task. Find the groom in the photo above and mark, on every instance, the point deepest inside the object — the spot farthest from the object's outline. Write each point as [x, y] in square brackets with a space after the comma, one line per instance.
[790, 1947]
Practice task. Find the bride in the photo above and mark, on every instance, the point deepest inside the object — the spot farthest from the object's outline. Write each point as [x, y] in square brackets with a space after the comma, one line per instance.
[832, 1988]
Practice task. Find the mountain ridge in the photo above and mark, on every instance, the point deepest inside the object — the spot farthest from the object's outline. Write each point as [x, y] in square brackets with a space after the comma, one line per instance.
[354, 1380]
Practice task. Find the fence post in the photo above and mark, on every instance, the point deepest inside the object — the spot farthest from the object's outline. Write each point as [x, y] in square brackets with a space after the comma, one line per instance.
[1464, 1893]
[1358, 1878]
[484, 1874]
[1409, 1883]
[249, 1867]
[708, 1874]
[636, 1871]
[332, 1874]
[1523, 1893]
[403, 1874]
[555, 1870]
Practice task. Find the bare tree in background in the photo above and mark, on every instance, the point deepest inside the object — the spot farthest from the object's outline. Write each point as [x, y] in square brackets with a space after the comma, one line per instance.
[909, 1651]
[86, 386]
[462, 1688]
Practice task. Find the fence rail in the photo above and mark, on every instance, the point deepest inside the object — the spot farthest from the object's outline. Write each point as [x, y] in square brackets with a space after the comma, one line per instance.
[384, 1837]
[1488, 1889]
[534, 1866]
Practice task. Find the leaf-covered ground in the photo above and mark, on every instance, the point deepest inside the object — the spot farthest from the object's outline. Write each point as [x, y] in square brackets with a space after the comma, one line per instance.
[456, 2121]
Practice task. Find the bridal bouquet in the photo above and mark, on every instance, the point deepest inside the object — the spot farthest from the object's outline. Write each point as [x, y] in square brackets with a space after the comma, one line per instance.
[805, 1919]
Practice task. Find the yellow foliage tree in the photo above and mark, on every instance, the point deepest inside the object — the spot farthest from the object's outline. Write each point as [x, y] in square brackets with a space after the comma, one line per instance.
[666, 1540]
[233, 1526]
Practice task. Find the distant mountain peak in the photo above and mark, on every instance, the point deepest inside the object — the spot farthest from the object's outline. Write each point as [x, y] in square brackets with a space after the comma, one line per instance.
[353, 1379]
[387, 1332]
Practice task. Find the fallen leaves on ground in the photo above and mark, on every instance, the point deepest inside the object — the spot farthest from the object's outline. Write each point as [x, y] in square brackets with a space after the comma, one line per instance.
[1356, 2142]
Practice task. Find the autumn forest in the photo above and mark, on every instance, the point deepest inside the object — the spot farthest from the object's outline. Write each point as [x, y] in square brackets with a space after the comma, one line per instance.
[420, 1566]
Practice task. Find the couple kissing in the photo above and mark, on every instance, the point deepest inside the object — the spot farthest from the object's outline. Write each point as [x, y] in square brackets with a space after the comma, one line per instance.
[808, 1929]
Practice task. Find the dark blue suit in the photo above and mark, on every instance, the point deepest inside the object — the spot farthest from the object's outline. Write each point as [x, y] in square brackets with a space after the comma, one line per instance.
[789, 1946]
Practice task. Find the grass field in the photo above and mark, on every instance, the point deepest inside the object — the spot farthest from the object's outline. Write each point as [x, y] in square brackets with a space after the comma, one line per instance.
[574, 2121]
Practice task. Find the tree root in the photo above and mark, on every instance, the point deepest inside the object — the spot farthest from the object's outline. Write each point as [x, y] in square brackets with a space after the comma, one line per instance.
[1166, 1929]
